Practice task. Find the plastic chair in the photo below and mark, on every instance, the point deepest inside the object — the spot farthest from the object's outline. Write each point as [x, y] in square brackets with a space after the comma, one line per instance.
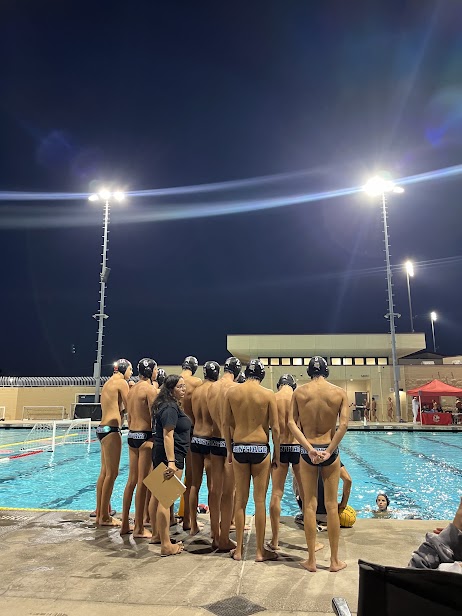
[392, 591]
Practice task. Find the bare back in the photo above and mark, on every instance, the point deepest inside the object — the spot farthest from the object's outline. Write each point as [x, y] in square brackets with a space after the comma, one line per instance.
[140, 400]
[202, 419]
[113, 400]
[318, 404]
[251, 409]
[215, 399]
[191, 383]
[283, 400]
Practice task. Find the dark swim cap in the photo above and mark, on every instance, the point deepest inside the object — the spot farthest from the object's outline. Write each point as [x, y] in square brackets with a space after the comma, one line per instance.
[161, 376]
[287, 379]
[233, 365]
[255, 370]
[241, 378]
[190, 363]
[211, 370]
[146, 367]
[317, 367]
[121, 365]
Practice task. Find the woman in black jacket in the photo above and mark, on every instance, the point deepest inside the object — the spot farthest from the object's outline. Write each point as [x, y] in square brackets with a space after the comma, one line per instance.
[172, 434]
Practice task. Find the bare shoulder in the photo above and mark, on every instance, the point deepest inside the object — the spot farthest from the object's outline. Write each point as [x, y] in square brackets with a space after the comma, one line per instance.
[122, 385]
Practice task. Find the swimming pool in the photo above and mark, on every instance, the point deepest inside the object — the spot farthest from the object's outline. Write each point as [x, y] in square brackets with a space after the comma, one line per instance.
[421, 473]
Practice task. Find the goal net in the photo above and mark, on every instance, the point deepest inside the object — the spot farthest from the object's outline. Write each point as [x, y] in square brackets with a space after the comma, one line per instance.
[47, 435]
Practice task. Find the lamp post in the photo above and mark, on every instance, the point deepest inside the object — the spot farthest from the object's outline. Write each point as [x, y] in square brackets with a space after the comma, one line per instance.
[409, 274]
[375, 187]
[105, 196]
[433, 319]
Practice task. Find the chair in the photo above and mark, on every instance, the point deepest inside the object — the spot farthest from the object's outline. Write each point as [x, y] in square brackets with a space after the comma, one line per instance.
[392, 591]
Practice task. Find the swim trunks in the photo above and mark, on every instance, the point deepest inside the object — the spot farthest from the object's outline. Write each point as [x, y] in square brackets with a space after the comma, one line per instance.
[331, 460]
[102, 431]
[289, 454]
[218, 447]
[250, 453]
[200, 444]
[136, 439]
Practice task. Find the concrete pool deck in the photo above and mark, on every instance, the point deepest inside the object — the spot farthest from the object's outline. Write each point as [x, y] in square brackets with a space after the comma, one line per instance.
[59, 564]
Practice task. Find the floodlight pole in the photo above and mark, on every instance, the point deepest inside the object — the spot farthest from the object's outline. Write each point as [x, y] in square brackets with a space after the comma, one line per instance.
[409, 299]
[391, 311]
[100, 316]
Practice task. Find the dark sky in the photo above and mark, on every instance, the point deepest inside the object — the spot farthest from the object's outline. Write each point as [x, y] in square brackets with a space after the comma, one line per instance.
[151, 95]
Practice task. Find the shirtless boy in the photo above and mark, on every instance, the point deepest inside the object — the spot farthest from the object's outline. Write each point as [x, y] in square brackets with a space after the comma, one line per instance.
[250, 410]
[200, 441]
[221, 497]
[140, 400]
[316, 406]
[113, 402]
[289, 454]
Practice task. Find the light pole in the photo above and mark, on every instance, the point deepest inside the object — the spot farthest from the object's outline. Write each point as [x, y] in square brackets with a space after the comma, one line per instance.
[106, 197]
[409, 274]
[378, 186]
[433, 319]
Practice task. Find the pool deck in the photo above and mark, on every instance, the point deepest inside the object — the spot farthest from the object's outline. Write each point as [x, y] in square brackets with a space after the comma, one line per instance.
[60, 564]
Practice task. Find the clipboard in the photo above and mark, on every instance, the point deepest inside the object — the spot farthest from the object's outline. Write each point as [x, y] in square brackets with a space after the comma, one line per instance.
[167, 491]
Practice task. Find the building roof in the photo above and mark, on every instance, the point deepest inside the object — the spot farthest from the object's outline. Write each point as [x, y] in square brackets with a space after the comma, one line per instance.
[329, 345]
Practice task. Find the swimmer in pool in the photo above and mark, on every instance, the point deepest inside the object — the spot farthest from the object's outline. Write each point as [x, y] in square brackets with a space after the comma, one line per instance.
[316, 407]
[383, 502]
[251, 410]
[113, 401]
[141, 397]
[200, 441]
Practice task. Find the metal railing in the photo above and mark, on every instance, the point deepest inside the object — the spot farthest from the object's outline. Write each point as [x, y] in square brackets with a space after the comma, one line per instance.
[49, 381]
[43, 412]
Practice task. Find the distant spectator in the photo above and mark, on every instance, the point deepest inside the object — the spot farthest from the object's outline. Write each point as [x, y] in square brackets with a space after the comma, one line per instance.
[390, 409]
[415, 408]
[374, 410]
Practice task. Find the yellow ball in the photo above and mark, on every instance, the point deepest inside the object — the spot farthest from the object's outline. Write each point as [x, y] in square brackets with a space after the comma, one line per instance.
[347, 517]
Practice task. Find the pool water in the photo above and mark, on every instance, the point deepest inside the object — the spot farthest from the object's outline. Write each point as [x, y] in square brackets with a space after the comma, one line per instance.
[420, 472]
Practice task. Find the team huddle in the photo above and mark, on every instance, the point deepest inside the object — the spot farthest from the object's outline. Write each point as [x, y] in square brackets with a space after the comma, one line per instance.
[223, 425]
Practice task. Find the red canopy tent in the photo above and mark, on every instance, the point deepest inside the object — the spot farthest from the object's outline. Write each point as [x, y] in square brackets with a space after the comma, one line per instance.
[434, 388]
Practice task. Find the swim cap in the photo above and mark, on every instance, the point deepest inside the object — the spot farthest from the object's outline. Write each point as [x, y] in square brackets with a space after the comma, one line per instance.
[317, 367]
[190, 363]
[121, 365]
[146, 367]
[161, 376]
[287, 379]
[211, 370]
[241, 378]
[233, 365]
[255, 370]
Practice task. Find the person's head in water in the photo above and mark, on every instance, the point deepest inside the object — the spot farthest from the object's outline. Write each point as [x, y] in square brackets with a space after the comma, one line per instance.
[382, 501]
[287, 379]
[317, 367]
[255, 370]
[123, 367]
[147, 369]
[190, 363]
[172, 391]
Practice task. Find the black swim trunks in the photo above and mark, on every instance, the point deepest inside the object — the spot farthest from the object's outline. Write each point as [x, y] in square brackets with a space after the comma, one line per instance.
[250, 453]
[102, 431]
[136, 439]
[218, 447]
[289, 454]
[200, 444]
[331, 460]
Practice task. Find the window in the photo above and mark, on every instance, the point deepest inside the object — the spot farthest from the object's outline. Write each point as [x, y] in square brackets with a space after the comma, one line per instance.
[285, 361]
[336, 361]
[347, 361]
[297, 361]
[306, 361]
[359, 361]
[382, 361]
[274, 361]
[264, 360]
[370, 361]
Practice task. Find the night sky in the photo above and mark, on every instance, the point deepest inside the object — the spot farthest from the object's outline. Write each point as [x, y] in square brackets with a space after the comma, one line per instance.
[152, 95]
